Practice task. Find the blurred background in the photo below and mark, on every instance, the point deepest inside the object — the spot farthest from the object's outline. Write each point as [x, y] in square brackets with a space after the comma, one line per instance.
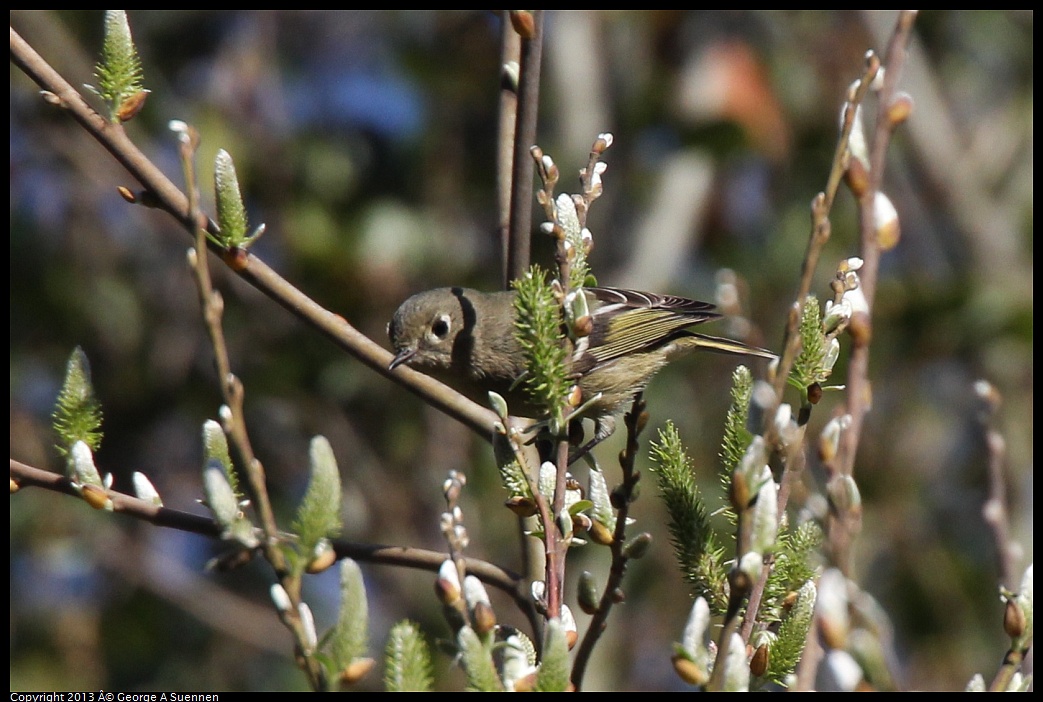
[366, 142]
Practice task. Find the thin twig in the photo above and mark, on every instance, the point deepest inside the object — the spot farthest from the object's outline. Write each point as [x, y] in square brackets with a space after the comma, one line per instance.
[820, 225]
[25, 476]
[794, 466]
[859, 393]
[510, 57]
[524, 138]
[233, 393]
[858, 373]
[635, 420]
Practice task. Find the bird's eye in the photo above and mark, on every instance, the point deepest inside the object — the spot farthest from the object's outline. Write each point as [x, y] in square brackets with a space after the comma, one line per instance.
[440, 327]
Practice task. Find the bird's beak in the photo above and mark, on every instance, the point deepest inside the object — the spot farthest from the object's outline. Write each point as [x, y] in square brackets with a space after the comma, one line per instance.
[401, 357]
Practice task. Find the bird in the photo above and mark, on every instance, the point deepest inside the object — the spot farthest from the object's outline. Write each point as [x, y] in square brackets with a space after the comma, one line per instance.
[466, 338]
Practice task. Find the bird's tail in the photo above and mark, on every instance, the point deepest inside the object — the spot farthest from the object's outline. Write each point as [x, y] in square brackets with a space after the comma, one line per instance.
[714, 343]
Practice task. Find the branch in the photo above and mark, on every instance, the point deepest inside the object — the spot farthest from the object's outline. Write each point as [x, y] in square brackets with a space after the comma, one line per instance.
[162, 193]
[858, 375]
[859, 391]
[525, 136]
[635, 421]
[510, 58]
[514, 585]
[23, 475]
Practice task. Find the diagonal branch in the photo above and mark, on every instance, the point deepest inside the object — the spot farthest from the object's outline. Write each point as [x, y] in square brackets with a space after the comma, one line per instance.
[160, 192]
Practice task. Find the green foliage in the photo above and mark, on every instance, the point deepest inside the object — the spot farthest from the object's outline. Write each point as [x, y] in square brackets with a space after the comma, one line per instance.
[118, 73]
[318, 516]
[477, 662]
[785, 651]
[796, 561]
[215, 447]
[538, 330]
[224, 503]
[568, 219]
[736, 436]
[601, 501]
[811, 365]
[736, 667]
[407, 660]
[713, 577]
[77, 414]
[512, 475]
[695, 546]
[231, 213]
[553, 675]
[348, 640]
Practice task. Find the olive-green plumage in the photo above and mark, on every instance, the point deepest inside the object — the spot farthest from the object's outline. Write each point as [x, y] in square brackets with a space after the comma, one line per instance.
[467, 339]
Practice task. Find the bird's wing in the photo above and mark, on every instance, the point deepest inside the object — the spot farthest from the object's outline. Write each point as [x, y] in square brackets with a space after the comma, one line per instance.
[628, 321]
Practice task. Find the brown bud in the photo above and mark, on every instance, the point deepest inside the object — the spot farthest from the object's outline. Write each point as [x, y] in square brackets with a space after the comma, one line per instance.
[814, 393]
[523, 23]
[575, 397]
[618, 596]
[321, 562]
[690, 671]
[236, 258]
[888, 226]
[484, 618]
[127, 194]
[1013, 619]
[14, 486]
[833, 634]
[356, 670]
[759, 662]
[856, 176]
[571, 637]
[95, 496]
[739, 492]
[889, 234]
[522, 506]
[447, 591]
[900, 108]
[583, 326]
[600, 534]
[131, 106]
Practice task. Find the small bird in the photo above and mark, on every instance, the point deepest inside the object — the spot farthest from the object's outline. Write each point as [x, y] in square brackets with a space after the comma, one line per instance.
[466, 339]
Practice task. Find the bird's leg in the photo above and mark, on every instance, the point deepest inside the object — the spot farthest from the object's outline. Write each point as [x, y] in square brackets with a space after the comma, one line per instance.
[603, 428]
